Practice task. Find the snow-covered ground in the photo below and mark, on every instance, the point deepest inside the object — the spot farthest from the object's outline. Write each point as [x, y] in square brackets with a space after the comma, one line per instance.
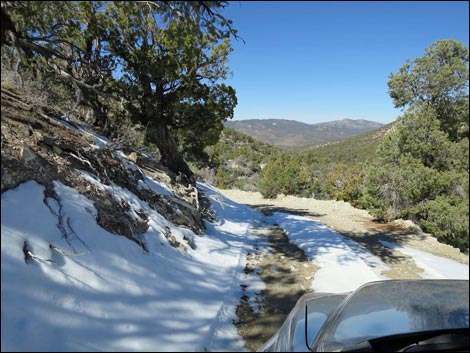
[435, 267]
[116, 297]
[344, 264]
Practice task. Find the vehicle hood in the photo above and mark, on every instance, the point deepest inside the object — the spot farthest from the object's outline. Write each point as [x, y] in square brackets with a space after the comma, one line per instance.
[391, 307]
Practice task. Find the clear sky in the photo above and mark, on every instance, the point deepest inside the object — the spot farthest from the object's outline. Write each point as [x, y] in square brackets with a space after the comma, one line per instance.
[329, 60]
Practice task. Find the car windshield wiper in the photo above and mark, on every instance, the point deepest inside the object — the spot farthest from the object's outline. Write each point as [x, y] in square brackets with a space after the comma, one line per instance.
[435, 340]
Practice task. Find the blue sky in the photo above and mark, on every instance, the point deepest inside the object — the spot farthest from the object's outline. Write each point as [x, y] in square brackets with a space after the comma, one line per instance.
[329, 60]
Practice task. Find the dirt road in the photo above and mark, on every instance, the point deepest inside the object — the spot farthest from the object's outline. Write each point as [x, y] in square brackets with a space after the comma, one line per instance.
[352, 222]
[286, 271]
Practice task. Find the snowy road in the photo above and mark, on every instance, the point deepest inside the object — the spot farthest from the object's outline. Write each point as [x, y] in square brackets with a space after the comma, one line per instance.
[116, 297]
[344, 265]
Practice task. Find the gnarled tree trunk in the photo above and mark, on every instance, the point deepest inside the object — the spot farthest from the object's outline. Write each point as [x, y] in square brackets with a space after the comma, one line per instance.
[171, 157]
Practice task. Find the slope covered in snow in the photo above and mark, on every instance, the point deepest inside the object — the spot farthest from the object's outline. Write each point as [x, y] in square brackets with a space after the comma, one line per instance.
[113, 295]
[108, 252]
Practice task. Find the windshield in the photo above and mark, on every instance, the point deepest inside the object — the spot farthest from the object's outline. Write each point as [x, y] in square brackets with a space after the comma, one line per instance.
[318, 310]
[393, 307]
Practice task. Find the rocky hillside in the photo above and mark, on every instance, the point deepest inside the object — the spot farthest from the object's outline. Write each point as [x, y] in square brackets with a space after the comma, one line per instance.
[104, 249]
[46, 148]
[291, 133]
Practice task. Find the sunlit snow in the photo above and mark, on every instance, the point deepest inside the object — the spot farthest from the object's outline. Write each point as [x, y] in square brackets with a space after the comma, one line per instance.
[113, 296]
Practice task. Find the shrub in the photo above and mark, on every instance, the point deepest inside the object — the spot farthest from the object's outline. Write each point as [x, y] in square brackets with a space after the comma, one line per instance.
[447, 219]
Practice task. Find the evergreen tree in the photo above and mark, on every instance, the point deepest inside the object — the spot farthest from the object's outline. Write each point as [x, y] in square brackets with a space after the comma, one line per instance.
[173, 55]
[440, 79]
[164, 60]
[421, 170]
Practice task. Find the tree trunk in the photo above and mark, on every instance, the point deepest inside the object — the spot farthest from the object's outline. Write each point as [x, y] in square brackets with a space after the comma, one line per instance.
[8, 27]
[171, 157]
[100, 112]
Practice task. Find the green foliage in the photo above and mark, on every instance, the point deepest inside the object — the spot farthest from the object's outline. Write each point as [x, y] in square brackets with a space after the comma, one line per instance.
[204, 122]
[344, 180]
[412, 168]
[173, 57]
[42, 94]
[329, 171]
[390, 192]
[447, 218]
[164, 62]
[440, 79]
[287, 174]
[420, 170]
[420, 135]
[237, 160]
[268, 184]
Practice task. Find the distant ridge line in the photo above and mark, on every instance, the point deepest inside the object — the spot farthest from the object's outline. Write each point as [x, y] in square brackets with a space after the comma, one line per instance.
[292, 133]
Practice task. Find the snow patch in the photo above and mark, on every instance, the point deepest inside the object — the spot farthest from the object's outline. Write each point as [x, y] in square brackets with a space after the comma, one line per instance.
[99, 140]
[156, 186]
[116, 297]
[435, 267]
[345, 265]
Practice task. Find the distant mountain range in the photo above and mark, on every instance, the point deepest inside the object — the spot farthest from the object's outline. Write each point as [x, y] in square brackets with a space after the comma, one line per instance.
[291, 133]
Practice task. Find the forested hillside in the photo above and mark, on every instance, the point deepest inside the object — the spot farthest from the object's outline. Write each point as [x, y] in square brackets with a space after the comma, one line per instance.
[291, 133]
[328, 171]
[416, 168]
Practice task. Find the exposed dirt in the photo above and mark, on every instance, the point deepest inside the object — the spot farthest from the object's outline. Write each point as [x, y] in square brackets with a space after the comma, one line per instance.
[287, 274]
[355, 223]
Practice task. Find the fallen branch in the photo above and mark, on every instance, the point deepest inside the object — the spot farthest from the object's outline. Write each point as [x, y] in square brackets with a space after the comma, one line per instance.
[196, 193]
[82, 160]
[28, 255]
[72, 231]
[86, 86]
[219, 200]
[60, 251]
[38, 259]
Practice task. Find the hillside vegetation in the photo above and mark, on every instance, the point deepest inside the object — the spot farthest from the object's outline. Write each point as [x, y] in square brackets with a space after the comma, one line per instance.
[421, 170]
[324, 171]
[236, 161]
[416, 168]
[353, 149]
[291, 133]
[157, 68]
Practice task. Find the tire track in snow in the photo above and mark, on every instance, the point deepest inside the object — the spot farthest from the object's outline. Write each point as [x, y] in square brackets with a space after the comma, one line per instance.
[286, 273]
[345, 265]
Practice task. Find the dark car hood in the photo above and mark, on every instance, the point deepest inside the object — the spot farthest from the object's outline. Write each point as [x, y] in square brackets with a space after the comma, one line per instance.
[391, 307]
